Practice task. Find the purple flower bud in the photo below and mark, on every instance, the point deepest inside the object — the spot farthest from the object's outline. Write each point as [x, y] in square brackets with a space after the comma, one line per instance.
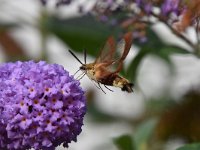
[58, 2]
[43, 2]
[63, 2]
[41, 106]
[170, 6]
[147, 6]
[104, 18]
[139, 2]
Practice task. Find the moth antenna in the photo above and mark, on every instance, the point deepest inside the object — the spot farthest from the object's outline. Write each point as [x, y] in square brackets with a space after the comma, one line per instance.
[85, 55]
[75, 57]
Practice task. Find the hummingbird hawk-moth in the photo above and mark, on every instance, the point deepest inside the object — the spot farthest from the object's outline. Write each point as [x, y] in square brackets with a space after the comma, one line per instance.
[105, 69]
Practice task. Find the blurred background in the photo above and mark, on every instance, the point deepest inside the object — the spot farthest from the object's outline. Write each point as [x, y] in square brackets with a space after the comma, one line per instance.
[163, 113]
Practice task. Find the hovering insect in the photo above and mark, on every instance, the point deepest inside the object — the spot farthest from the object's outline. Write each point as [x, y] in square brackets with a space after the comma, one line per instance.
[101, 70]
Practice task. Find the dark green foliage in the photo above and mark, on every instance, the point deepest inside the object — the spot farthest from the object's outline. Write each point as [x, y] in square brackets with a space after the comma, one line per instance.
[194, 146]
[82, 33]
[153, 46]
[124, 142]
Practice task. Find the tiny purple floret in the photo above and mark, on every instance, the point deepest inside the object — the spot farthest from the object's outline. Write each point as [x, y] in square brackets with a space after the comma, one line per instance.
[170, 6]
[41, 106]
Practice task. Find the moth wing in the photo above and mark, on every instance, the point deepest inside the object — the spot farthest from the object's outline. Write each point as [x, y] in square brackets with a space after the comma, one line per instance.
[123, 46]
[107, 53]
[108, 61]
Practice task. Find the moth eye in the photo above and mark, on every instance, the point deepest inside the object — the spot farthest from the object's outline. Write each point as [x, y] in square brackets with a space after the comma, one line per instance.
[82, 68]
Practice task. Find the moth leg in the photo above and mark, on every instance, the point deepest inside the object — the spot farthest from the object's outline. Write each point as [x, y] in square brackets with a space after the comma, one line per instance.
[81, 76]
[95, 84]
[101, 87]
[76, 72]
[108, 88]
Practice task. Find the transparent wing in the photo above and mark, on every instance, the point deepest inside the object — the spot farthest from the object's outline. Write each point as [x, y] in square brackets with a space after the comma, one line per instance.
[106, 54]
[123, 46]
[109, 62]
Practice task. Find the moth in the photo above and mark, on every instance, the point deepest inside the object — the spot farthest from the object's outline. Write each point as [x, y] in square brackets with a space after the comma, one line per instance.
[105, 69]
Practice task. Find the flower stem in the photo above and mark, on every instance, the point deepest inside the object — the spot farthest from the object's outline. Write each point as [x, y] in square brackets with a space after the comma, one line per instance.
[44, 34]
[178, 34]
[198, 37]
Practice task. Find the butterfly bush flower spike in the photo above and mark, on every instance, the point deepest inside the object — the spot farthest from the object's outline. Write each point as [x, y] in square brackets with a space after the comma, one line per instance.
[58, 2]
[41, 106]
[170, 6]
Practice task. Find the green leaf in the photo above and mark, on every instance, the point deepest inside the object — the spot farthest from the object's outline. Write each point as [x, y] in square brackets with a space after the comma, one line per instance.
[134, 65]
[143, 134]
[12, 49]
[167, 50]
[82, 32]
[194, 146]
[153, 43]
[95, 114]
[7, 26]
[158, 105]
[172, 49]
[154, 46]
[150, 47]
[124, 142]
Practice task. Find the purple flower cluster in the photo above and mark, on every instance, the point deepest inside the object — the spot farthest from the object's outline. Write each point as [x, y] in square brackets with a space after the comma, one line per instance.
[58, 2]
[166, 7]
[130, 14]
[108, 7]
[170, 6]
[146, 5]
[41, 106]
